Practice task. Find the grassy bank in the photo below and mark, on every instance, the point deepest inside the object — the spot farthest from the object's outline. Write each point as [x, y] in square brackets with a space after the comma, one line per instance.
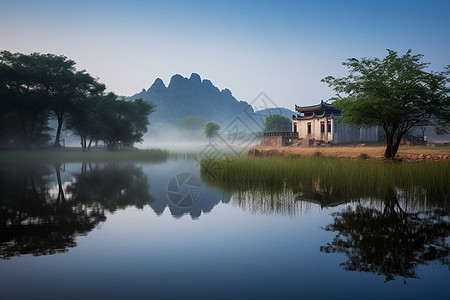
[333, 180]
[67, 155]
[371, 151]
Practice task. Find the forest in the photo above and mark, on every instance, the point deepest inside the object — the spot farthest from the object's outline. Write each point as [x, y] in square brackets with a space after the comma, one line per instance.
[37, 89]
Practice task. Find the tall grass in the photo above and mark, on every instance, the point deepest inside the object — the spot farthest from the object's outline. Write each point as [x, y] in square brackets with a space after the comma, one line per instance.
[331, 181]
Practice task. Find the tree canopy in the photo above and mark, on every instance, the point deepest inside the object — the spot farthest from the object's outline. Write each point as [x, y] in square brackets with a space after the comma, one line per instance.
[396, 93]
[37, 87]
[276, 123]
[211, 130]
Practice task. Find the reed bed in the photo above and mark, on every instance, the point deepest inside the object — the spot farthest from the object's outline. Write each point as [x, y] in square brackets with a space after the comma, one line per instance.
[331, 181]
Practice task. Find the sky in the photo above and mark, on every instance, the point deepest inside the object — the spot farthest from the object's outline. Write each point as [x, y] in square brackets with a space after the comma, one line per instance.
[281, 48]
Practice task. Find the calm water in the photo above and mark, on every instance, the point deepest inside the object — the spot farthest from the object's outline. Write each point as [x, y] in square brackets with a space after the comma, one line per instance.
[125, 230]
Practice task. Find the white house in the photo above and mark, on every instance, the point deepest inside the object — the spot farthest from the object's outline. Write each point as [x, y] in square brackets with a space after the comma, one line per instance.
[323, 122]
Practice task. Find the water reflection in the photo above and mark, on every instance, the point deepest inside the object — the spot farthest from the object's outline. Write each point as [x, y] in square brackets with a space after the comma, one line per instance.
[176, 187]
[40, 213]
[390, 239]
[43, 208]
[389, 228]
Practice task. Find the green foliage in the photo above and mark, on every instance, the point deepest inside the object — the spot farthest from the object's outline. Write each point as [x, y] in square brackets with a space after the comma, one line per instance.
[276, 123]
[329, 180]
[123, 123]
[211, 130]
[24, 105]
[33, 86]
[396, 93]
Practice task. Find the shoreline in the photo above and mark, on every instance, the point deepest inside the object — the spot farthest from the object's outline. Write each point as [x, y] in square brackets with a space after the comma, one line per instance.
[409, 153]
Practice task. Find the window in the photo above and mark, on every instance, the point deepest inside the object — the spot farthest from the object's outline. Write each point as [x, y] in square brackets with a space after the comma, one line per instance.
[295, 126]
[329, 126]
[309, 127]
[322, 127]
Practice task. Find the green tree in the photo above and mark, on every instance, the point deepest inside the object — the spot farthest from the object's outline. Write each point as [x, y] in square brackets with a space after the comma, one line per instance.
[23, 106]
[34, 85]
[65, 87]
[276, 123]
[84, 120]
[396, 93]
[211, 130]
[123, 122]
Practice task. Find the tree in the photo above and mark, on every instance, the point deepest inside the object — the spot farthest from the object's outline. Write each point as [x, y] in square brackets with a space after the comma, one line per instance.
[396, 93]
[65, 87]
[23, 106]
[276, 123]
[123, 122]
[211, 130]
[32, 86]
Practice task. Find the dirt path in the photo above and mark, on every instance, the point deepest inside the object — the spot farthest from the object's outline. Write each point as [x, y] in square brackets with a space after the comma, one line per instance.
[357, 151]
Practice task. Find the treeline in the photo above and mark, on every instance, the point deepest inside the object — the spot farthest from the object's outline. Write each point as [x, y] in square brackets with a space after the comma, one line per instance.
[36, 88]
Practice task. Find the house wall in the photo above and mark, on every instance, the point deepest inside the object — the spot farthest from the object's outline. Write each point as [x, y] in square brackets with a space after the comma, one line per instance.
[273, 141]
[302, 128]
[340, 132]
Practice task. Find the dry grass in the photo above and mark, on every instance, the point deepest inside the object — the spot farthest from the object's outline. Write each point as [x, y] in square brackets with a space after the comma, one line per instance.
[355, 151]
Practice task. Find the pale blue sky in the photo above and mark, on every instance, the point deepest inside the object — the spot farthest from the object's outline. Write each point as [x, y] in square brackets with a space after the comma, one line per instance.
[282, 48]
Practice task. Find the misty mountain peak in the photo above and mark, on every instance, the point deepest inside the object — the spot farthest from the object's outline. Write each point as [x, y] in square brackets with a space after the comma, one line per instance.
[207, 82]
[158, 85]
[195, 78]
[226, 92]
[195, 97]
[177, 81]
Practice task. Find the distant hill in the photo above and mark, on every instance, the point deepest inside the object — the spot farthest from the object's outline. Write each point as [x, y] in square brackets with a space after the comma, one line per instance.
[196, 97]
[276, 111]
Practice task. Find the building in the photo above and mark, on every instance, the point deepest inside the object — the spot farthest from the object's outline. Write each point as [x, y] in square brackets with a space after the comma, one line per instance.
[319, 124]
[322, 122]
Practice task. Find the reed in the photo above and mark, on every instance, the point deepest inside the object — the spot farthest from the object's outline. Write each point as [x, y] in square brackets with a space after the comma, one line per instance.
[329, 180]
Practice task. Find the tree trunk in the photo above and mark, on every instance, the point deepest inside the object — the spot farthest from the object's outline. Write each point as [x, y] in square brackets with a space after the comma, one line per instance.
[388, 153]
[83, 143]
[90, 142]
[397, 144]
[60, 118]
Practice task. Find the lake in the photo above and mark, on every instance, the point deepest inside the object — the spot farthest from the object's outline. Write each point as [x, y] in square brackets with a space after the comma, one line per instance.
[163, 230]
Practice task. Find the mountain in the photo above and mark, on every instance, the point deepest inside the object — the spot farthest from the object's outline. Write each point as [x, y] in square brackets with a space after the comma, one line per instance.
[276, 111]
[196, 97]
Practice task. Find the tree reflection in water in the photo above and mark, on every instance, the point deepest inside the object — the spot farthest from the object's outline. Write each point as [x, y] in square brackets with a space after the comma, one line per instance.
[389, 240]
[37, 220]
[399, 222]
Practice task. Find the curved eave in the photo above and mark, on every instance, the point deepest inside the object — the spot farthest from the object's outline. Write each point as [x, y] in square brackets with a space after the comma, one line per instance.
[318, 107]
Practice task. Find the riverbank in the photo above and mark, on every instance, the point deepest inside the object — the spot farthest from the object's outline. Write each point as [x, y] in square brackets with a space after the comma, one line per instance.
[410, 153]
[332, 180]
[76, 155]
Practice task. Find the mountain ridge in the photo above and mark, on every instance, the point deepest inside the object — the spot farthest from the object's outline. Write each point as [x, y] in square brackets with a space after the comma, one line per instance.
[195, 96]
